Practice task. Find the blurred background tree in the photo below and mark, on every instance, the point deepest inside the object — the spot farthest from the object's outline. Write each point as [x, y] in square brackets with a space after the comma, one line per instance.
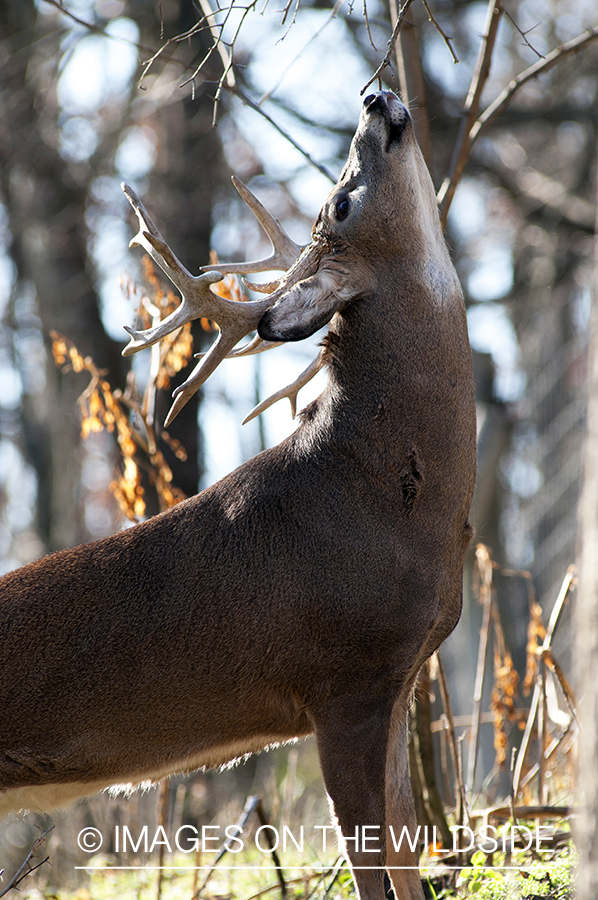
[284, 90]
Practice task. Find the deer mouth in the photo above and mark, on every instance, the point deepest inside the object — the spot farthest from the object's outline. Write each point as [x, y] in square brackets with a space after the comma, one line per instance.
[394, 114]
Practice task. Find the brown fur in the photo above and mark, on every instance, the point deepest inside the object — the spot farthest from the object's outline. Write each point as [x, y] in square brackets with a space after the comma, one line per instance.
[303, 592]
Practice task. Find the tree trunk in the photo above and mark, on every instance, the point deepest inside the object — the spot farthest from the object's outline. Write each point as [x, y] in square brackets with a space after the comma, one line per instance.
[587, 626]
[53, 288]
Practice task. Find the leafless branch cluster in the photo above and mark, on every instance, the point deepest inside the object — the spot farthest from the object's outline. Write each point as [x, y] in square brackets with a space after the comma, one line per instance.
[216, 21]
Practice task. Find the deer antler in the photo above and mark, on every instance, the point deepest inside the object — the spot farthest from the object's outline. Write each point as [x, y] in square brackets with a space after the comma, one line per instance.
[235, 319]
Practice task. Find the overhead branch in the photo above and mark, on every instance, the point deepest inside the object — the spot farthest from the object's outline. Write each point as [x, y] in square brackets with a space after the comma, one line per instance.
[100, 30]
[543, 65]
[240, 93]
[335, 11]
[445, 37]
[471, 107]
[412, 84]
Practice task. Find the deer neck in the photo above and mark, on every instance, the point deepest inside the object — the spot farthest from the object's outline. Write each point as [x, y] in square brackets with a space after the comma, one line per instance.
[406, 339]
[400, 384]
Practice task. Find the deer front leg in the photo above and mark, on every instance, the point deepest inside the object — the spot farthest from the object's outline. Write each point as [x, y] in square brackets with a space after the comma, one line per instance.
[401, 823]
[353, 739]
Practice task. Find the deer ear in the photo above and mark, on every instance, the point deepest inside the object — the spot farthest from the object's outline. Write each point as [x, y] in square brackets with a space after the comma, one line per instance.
[305, 308]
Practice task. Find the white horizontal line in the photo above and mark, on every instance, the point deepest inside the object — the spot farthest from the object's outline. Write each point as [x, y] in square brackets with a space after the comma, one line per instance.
[301, 868]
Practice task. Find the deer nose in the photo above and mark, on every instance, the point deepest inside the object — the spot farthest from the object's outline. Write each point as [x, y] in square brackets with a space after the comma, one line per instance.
[375, 100]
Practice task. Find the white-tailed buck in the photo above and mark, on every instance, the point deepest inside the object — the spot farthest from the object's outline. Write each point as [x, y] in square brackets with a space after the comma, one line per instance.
[302, 593]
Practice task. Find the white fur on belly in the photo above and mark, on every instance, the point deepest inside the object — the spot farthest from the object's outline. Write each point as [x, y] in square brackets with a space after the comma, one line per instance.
[44, 798]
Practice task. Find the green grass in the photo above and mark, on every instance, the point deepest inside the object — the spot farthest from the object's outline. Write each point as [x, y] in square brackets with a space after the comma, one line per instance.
[551, 878]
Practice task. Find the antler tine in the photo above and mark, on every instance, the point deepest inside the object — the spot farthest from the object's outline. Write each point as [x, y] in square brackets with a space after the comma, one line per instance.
[267, 287]
[194, 291]
[285, 251]
[221, 347]
[255, 345]
[291, 391]
[152, 241]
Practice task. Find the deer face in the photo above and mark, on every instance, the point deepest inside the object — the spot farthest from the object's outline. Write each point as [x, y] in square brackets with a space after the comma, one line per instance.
[376, 175]
[382, 209]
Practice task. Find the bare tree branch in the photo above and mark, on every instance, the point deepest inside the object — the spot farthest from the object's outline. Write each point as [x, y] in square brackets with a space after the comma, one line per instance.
[158, 53]
[367, 24]
[216, 32]
[412, 83]
[90, 26]
[447, 40]
[471, 108]
[335, 10]
[26, 868]
[98, 29]
[523, 33]
[543, 65]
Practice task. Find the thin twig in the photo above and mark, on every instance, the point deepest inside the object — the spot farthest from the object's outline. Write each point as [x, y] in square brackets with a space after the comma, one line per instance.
[249, 807]
[97, 29]
[447, 40]
[253, 805]
[543, 730]
[390, 46]
[162, 808]
[335, 10]
[199, 26]
[446, 702]
[538, 68]
[511, 791]
[568, 694]
[367, 24]
[322, 876]
[446, 193]
[216, 32]
[568, 582]
[412, 83]
[523, 34]
[340, 862]
[240, 93]
[275, 858]
[425, 752]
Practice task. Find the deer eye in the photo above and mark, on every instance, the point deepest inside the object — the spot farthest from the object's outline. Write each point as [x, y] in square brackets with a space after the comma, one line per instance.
[342, 208]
